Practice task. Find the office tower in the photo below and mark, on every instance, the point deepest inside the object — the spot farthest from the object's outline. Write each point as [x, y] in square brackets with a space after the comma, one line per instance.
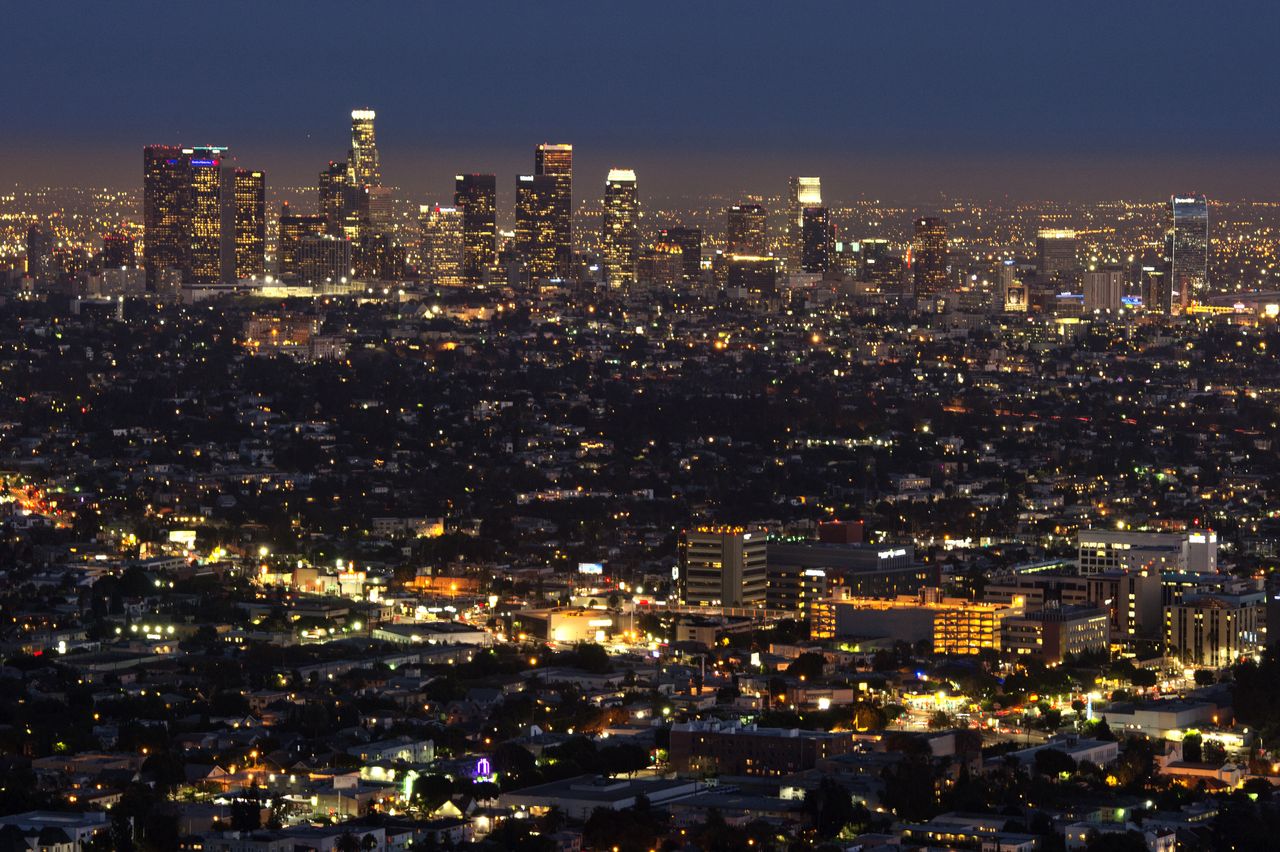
[878, 266]
[294, 228]
[745, 231]
[556, 162]
[815, 240]
[477, 197]
[1011, 293]
[365, 170]
[723, 566]
[661, 267]
[620, 229]
[166, 183]
[1157, 294]
[250, 223]
[1055, 252]
[1190, 249]
[802, 192]
[537, 232]
[754, 275]
[333, 193]
[690, 242]
[1103, 290]
[118, 251]
[211, 245]
[325, 259]
[40, 260]
[443, 247]
[929, 257]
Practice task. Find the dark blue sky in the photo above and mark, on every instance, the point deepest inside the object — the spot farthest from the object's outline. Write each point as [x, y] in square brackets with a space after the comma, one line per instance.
[892, 99]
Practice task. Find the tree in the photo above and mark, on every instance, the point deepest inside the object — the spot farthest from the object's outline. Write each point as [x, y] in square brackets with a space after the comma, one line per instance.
[1052, 762]
[1144, 678]
[808, 666]
[1116, 841]
[1205, 677]
[1192, 750]
[830, 807]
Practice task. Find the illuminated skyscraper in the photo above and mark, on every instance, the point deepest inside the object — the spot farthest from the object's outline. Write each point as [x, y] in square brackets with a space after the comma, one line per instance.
[294, 228]
[803, 192]
[251, 223]
[166, 183]
[477, 197]
[661, 267]
[556, 162]
[1103, 290]
[690, 242]
[333, 188]
[722, 566]
[537, 234]
[211, 242]
[815, 240]
[443, 245]
[363, 159]
[620, 231]
[1189, 257]
[746, 231]
[929, 257]
[1055, 252]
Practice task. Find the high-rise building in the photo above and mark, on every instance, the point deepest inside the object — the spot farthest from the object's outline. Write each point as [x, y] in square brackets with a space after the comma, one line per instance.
[556, 162]
[443, 246]
[536, 225]
[324, 259]
[250, 223]
[746, 230]
[202, 215]
[294, 228]
[1189, 256]
[166, 184]
[40, 259]
[365, 169]
[690, 242]
[661, 267]
[477, 197]
[723, 566]
[929, 257]
[753, 275]
[802, 192]
[1103, 290]
[333, 194]
[1011, 291]
[118, 251]
[815, 240]
[620, 229]
[879, 266]
[1055, 252]
[1157, 295]
[211, 221]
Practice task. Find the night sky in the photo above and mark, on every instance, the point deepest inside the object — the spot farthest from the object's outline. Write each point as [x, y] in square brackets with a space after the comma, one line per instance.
[898, 100]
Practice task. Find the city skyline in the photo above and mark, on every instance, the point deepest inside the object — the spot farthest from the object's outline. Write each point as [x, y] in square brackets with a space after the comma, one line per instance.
[1073, 102]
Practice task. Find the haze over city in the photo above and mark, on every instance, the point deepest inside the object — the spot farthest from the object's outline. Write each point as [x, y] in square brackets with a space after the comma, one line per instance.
[1090, 100]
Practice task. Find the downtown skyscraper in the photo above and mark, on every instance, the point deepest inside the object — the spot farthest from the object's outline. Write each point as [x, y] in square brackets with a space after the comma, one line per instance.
[620, 228]
[250, 191]
[746, 232]
[929, 257]
[1189, 249]
[204, 219]
[537, 237]
[802, 192]
[556, 162]
[477, 197]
